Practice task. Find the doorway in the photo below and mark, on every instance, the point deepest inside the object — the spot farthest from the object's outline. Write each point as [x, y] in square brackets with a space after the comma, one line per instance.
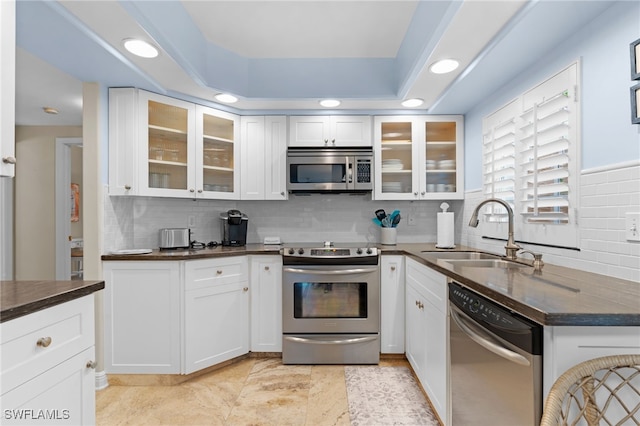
[68, 187]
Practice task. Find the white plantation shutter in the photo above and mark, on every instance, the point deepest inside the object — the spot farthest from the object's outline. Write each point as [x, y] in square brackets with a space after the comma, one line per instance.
[546, 147]
[499, 160]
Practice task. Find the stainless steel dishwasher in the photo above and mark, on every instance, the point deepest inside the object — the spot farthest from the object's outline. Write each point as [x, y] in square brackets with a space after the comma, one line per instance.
[496, 363]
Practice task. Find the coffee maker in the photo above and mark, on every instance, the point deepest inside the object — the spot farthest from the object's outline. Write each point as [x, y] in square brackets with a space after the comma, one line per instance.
[234, 228]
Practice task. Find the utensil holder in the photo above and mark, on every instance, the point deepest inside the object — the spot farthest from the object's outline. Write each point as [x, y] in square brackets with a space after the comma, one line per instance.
[388, 236]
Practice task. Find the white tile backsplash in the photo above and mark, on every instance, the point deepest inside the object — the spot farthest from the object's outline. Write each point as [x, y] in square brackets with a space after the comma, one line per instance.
[606, 195]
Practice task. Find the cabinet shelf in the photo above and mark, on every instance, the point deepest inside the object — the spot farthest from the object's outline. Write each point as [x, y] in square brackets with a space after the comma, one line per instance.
[447, 144]
[403, 171]
[209, 138]
[218, 169]
[166, 129]
[168, 163]
[441, 171]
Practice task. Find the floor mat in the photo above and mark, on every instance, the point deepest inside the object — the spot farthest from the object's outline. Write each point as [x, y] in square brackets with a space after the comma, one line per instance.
[386, 396]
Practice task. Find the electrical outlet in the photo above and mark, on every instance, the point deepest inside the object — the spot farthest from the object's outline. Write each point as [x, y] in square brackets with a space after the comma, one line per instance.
[192, 221]
[411, 219]
[632, 226]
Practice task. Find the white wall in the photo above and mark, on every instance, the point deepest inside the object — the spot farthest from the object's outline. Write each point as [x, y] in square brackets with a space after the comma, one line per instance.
[34, 220]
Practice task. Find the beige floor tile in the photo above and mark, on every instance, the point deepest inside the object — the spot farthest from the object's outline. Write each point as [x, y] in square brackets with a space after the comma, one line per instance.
[327, 397]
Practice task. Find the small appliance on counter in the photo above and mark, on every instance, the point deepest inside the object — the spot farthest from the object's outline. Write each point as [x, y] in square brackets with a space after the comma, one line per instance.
[234, 228]
[175, 238]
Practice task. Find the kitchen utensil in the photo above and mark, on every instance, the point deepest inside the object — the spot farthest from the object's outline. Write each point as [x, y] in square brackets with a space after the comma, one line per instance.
[380, 214]
[396, 220]
[377, 221]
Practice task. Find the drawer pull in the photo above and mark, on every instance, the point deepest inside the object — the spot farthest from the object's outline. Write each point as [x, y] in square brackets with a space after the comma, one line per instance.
[266, 268]
[91, 364]
[393, 268]
[245, 289]
[219, 272]
[43, 342]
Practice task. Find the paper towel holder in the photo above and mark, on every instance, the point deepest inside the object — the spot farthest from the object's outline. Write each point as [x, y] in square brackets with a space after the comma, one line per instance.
[445, 241]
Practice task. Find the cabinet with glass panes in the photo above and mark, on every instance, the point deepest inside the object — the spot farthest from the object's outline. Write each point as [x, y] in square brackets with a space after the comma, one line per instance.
[161, 146]
[418, 157]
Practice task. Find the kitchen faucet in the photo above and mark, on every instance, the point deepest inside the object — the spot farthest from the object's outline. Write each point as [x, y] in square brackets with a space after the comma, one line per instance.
[511, 247]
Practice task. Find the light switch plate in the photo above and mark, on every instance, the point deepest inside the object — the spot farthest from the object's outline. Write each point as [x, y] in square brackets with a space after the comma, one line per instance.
[632, 226]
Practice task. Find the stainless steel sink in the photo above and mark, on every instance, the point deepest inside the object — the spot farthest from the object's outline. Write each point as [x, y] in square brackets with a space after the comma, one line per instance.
[486, 263]
[460, 255]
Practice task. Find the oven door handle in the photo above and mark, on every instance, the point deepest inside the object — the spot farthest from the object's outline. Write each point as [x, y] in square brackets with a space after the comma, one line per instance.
[330, 272]
[484, 339]
[331, 342]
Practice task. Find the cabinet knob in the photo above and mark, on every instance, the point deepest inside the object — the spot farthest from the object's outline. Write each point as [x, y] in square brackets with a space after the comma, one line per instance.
[199, 191]
[44, 342]
[326, 141]
[422, 193]
[245, 289]
[127, 187]
[282, 193]
[393, 268]
[333, 141]
[9, 160]
[219, 272]
[192, 190]
[415, 193]
[91, 364]
[266, 268]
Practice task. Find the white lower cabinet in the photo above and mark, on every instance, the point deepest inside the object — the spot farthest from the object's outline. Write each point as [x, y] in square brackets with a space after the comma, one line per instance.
[427, 332]
[175, 317]
[566, 346]
[48, 361]
[392, 312]
[266, 303]
[216, 311]
[142, 317]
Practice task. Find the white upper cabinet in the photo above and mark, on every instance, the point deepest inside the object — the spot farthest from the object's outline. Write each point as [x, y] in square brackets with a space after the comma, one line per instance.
[418, 158]
[263, 155]
[7, 87]
[217, 153]
[330, 131]
[161, 146]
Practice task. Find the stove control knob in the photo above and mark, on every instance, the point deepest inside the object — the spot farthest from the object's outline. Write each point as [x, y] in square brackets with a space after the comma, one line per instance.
[359, 251]
[369, 251]
[300, 251]
[291, 251]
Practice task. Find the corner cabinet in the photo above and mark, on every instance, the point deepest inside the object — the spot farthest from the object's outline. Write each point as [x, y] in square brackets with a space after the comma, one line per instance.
[161, 146]
[263, 152]
[418, 157]
[427, 339]
[330, 131]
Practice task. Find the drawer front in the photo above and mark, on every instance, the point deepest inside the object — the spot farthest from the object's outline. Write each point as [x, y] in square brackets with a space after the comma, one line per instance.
[36, 342]
[430, 283]
[208, 272]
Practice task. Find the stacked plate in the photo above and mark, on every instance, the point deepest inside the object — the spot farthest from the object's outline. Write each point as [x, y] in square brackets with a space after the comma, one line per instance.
[391, 186]
[392, 164]
[432, 164]
[447, 164]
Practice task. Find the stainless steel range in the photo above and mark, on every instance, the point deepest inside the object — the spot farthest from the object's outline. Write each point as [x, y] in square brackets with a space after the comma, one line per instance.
[331, 304]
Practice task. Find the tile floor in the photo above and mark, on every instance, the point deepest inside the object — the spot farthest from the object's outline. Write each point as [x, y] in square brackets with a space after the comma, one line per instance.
[249, 392]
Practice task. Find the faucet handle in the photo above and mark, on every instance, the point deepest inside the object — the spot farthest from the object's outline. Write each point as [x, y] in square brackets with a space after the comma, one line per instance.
[537, 259]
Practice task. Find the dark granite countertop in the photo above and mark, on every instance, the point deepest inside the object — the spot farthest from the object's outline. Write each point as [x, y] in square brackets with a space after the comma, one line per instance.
[19, 298]
[555, 296]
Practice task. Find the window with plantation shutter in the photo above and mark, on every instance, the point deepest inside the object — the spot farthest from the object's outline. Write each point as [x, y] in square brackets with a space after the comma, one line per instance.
[531, 160]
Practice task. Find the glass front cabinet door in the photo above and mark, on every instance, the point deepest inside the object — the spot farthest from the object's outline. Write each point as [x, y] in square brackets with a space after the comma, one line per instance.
[217, 154]
[166, 146]
[418, 157]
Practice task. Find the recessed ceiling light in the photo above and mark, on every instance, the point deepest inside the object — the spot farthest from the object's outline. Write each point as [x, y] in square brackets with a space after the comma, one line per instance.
[50, 110]
[409, 103]
[329, 103]
[226, 98]
[444, 66]
[140, 48]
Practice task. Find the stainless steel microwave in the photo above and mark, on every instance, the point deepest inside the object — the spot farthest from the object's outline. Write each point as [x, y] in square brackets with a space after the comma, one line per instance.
[326, 170]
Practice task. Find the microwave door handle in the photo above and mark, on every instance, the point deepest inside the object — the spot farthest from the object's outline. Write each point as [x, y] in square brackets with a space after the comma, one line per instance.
[349, 172]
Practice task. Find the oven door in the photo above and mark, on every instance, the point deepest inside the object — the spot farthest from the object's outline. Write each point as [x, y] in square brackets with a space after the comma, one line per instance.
[331, 299]
[320, 173]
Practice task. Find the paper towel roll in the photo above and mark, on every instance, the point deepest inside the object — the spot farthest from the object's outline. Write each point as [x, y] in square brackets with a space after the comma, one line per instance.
[445, 230]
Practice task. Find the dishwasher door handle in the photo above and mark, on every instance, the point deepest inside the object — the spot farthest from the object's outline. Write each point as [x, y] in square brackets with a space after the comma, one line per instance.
[484, 339]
